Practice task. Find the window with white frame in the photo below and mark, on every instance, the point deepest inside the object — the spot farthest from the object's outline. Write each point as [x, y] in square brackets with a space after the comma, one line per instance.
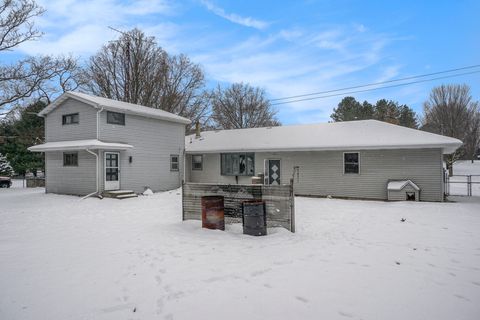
[174, 162]
[197, 162]
[70, 159]
[351, 162]
[72, 118]
[116, 118]
[238, 164]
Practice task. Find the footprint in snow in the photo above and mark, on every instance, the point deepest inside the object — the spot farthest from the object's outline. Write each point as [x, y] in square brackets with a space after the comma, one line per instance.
[459, 296]
[260, 272]
[301, 299]
[159, 306]
[345, 314]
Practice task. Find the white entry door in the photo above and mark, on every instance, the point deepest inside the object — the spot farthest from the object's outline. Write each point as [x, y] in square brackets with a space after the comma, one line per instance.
[112, 171]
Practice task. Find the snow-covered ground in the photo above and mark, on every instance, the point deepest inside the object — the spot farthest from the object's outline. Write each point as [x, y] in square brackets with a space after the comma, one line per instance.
[64, 258]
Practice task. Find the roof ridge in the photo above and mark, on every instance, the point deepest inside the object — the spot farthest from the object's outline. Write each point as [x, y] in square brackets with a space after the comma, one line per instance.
[109, 103]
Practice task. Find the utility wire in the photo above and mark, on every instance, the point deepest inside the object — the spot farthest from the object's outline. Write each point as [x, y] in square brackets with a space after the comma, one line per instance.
[378, 88]
[377, 83]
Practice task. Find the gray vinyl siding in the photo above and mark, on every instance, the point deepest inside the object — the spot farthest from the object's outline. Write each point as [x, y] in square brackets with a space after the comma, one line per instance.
[85, 129]
[153, 142]
[79, 180]
[321, 173]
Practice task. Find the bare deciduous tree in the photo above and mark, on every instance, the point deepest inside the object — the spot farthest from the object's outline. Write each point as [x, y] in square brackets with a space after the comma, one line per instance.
[16, 24]
[32, 77]
[135, 69]
[39, 78]
[471, 142]
[449, 111]
[242, 106]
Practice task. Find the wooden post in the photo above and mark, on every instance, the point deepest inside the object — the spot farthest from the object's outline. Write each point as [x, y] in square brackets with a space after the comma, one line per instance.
[469, 181]
[292, 207]
[183, 199]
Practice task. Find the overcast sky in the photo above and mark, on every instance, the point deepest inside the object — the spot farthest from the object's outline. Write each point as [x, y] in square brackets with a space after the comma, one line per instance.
[287, 48]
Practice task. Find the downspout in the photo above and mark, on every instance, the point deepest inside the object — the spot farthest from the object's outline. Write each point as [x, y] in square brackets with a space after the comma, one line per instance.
[97, 191]
[98, 122]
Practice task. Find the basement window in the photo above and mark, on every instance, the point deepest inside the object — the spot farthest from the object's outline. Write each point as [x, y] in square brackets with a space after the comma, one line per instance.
[174, 163]
[351, 162]
[197, 162]
[70, 159]
[72, 118]
[116, 118]
[238, 164]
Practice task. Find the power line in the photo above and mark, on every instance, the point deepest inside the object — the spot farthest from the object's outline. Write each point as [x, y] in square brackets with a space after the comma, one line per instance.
[372, 89]
[377, 83]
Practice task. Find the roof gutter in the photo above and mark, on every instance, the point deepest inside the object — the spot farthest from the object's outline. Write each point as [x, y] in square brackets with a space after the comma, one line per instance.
[446, 148]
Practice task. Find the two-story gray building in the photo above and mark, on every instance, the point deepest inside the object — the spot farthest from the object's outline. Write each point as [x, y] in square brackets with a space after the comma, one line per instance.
[94, 144]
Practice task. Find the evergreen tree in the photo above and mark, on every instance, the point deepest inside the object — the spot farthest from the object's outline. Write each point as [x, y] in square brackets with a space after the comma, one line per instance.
[5, 167]
[407, 117]
[389, 111]
[350, 109]
[23, 131]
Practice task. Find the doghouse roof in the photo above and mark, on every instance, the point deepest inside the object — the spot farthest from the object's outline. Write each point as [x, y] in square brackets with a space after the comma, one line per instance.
[399, 185]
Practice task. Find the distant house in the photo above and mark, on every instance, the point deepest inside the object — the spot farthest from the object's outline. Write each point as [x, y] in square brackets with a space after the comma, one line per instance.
[94, 144]
[354, 159]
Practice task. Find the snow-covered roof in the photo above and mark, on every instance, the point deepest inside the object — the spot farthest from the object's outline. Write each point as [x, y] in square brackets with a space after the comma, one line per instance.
[114, 105]
[400, 184]
[348, 135]
[92, 144]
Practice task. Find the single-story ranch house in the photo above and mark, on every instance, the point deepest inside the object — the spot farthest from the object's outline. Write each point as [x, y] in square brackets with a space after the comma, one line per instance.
[94, 144]
[355, 159]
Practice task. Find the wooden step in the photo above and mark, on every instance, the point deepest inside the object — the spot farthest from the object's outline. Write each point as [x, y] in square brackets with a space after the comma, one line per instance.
[119, 194]
[119, 191]
[126, 196]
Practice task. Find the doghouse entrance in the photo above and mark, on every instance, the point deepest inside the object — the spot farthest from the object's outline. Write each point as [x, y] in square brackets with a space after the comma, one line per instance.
[410, 196]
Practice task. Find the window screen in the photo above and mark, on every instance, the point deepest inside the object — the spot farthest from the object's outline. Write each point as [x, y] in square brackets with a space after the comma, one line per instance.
[174, 162]
[238, 164]
[70, 118]
[70, 159]
[116, 118]
[197, 162]
[351, 162]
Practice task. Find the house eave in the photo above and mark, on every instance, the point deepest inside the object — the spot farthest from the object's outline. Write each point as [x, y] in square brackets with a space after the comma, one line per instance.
[446, 149]
[77, 145]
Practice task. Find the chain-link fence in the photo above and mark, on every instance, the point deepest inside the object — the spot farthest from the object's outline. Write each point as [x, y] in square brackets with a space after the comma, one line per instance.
[462, 185]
